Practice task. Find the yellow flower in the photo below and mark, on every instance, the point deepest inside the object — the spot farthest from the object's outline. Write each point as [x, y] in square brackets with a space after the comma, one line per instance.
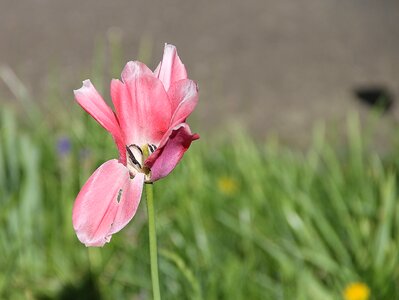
[357, 291]
[227, 185]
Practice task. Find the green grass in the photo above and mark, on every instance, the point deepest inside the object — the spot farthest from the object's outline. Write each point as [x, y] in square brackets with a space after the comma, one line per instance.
[293, 224]
[237, 219]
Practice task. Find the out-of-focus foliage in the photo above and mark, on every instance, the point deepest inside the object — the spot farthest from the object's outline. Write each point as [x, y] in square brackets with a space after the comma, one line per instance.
[236, 220]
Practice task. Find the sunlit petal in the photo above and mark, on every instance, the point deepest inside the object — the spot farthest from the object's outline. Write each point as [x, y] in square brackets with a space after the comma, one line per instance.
[142, 105]
[96, 206]
[170, 69]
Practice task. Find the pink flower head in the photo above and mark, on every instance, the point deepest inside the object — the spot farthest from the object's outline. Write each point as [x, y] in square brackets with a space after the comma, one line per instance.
[149, 129]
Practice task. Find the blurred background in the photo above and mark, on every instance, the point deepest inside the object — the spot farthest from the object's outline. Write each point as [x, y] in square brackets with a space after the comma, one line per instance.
[275, 66]
[294, 177]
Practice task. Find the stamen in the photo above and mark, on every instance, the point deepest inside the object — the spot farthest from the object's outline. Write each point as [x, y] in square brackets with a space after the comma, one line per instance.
[131, 156]
[137, 147]
[152, 147]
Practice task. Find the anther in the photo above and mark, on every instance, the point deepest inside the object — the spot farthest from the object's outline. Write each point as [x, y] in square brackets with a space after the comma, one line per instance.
[152, 147]
[131, 156]
[137, 147]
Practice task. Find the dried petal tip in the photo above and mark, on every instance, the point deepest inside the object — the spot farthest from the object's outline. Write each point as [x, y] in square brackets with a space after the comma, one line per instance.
[86, 84]
[135, 69]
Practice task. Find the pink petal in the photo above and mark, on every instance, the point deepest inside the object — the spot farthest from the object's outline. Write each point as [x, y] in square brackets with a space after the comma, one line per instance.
[128, 203]
[170, 152]
[96, 208]
[142, 105]
[134, 69]
[183, 95]
[157, 69]
[92, 102]
[170, 69]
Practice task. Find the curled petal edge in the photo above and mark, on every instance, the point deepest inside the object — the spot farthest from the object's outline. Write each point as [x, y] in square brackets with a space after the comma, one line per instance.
[170, 151]
[183, 95]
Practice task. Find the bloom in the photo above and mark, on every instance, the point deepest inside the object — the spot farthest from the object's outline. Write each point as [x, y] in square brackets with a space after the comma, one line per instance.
[227, 185]
[357, 291]
[63, 146]
[149, 129]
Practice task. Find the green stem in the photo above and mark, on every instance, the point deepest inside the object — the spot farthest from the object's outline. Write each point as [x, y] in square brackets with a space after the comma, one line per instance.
[153, 241]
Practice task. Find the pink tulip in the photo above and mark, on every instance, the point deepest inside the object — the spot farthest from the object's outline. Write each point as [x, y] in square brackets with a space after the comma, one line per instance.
[150, 114]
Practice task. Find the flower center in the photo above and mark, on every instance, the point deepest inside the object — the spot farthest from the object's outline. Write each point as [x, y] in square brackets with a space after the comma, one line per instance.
[136, 157]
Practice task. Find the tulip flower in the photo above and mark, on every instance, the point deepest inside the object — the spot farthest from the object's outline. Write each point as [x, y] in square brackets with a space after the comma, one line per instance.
[150, 131]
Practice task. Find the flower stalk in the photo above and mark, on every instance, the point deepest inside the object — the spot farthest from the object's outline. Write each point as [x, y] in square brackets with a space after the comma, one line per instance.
[153, 241]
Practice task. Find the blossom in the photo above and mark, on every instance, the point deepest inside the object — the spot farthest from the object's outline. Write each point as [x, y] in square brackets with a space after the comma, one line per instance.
[357, 291]
[63, 146]
[227, 185]
[150, 131]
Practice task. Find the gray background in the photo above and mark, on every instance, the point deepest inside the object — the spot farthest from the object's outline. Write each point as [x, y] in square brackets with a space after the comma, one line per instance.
[276, 66]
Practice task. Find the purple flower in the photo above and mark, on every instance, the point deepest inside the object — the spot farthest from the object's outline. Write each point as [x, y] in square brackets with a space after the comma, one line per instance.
[63, 146]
